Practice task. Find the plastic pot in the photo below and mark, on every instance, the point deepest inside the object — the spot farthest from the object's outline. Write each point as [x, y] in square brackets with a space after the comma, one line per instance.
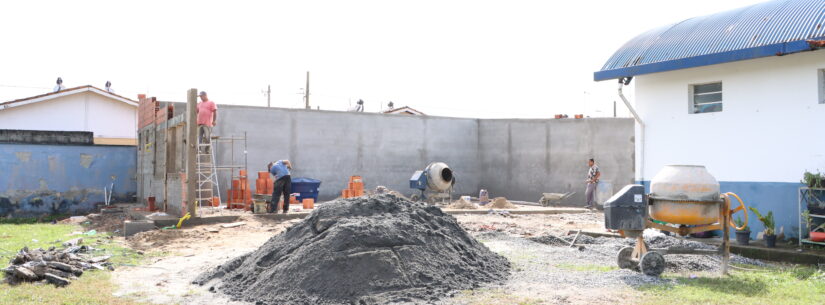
[743, 237]
[817, 236]
[770, 241]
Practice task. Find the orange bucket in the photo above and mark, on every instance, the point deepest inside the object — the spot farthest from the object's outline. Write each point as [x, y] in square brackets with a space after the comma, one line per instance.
[308, 203]
[216, 201]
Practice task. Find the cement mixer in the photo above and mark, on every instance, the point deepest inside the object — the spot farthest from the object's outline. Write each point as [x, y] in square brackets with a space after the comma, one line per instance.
[435, 182]
[683, 199]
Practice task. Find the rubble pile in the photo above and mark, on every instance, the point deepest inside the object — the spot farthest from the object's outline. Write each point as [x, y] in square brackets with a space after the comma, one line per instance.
[55, 266]
[365, 250]
[462, 204]
[500, 203]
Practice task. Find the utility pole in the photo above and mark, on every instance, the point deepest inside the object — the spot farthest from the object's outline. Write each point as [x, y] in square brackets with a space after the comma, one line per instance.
[268, 94]
[306, 93]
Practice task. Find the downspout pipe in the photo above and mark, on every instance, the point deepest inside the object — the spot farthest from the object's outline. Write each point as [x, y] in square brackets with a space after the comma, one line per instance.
[624, 82]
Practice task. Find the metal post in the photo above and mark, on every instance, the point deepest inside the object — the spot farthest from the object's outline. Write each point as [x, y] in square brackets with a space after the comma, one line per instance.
[724, 218]
[191, 149]
[306, 92]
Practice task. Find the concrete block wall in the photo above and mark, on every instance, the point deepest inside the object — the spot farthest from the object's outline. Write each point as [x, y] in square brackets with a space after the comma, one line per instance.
[524, 158]
[331, 146]
[63, 179]
[515, 158]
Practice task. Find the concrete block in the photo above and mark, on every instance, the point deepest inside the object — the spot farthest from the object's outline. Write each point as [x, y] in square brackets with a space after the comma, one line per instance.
[132, 227]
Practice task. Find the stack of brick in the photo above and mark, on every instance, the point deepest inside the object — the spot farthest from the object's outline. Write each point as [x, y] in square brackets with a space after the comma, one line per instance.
[355, 188]
[239, 196]
[263, 185]
[164, 113]
[147, 110]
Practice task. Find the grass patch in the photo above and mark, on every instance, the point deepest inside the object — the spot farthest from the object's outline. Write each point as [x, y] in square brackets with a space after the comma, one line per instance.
[485, 296]
[93, 287]
[798, 285]
[596, 268]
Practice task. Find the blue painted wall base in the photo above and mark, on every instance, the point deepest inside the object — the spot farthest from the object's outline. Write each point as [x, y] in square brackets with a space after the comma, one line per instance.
[63, 179]
[779, 197]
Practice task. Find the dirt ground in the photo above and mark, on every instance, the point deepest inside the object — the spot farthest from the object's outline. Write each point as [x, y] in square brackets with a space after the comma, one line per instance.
[185, 253]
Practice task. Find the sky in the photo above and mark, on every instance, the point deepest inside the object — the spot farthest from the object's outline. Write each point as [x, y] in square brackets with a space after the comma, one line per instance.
[485, 59]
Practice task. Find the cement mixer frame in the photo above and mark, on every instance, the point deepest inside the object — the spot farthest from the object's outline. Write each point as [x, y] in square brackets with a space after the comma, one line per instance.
[651, 261]
[686, 196]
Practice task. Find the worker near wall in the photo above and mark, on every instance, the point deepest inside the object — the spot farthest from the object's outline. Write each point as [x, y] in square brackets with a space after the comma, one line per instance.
[207, 118]
[283, 184]
[593, 175]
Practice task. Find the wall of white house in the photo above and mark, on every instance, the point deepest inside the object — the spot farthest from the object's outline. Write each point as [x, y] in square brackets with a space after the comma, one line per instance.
[766, 136]
[77, 112]
[768, 131]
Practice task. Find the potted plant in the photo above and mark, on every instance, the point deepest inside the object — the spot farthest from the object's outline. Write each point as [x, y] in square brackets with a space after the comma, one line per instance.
[813, 180]
[816, 233]
[742, 236]
[770, 227]
[816, 202]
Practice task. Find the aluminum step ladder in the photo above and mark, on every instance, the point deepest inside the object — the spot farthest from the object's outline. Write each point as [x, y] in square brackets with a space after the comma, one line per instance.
[207, 174]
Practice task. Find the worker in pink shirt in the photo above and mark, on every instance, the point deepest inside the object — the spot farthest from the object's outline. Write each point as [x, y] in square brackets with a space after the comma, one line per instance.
[207, 117]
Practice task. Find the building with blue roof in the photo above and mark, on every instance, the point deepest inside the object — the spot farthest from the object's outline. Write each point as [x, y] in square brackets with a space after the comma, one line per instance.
[741, 92]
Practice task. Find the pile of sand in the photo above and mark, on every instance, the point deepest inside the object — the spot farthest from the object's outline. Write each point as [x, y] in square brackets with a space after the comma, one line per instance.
[500, 203]
[463, 205]
[365, 250]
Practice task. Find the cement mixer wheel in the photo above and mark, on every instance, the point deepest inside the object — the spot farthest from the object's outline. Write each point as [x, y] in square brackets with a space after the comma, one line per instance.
[652, 263]
[625, 259]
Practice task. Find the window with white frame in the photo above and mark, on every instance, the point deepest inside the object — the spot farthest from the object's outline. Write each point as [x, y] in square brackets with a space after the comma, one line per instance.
[821, 83]
[706, 97]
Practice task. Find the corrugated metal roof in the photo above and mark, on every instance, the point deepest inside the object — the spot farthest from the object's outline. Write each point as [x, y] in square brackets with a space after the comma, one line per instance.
[766, 29]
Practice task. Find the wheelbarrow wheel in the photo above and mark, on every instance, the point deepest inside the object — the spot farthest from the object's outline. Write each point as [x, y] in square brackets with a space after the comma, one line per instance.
[414, 198]
[652, 263]
[625, 259]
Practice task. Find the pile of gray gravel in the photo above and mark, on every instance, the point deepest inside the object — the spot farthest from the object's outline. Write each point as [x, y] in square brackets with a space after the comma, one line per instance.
[366, 250]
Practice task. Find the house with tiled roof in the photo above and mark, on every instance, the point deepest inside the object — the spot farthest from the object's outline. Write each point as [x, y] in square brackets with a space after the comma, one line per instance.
[111, 118]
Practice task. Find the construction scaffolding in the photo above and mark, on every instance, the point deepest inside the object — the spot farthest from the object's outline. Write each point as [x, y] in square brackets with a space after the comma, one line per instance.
[208, 187]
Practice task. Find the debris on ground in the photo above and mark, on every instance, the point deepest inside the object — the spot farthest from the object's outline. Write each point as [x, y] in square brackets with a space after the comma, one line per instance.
[500, 203]
[463, 204]
[232, 225]
[56, 266]
[675, 262]
[105, 222]
[74, 220]
[385, 190]
[365, 250]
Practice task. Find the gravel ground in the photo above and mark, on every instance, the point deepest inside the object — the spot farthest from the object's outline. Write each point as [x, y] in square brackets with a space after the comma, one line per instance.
[546, 274]
[546, 270]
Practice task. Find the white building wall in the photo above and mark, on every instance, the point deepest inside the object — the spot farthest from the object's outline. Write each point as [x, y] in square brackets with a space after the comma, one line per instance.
[111, 119]
[769, 130]
[77, 112]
